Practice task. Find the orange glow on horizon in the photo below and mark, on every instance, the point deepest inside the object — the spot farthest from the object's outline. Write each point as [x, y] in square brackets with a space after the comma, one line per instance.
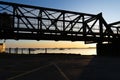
[47, 44]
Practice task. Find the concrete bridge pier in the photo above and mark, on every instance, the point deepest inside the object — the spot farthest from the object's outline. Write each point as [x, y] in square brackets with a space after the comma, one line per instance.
[108, 49]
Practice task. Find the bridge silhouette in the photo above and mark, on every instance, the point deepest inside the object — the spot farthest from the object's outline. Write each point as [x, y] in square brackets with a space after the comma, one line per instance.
[19, 21]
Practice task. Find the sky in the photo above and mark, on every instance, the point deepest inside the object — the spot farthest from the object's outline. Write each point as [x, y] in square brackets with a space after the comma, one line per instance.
[109, 9]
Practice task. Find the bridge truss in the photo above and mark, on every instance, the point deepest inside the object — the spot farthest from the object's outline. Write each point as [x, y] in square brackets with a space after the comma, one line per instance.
[19, 21]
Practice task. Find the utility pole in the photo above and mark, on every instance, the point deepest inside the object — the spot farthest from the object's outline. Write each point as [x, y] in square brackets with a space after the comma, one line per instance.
[45, 50]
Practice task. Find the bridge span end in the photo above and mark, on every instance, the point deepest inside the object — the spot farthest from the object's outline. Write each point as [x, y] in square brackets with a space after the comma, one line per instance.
[108, 49]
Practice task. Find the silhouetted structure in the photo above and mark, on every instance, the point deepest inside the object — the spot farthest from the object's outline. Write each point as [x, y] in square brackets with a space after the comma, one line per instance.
[2, 47]
[38, 23]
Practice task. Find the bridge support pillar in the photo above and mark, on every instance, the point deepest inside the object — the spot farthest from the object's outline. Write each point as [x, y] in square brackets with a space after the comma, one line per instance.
[108, 49]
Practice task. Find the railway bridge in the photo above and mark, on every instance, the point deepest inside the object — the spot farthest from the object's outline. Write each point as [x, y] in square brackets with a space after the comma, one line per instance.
[27, 22]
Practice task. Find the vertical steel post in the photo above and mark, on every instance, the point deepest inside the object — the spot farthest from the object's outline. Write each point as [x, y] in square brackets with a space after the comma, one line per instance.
[40, 17]
[84, 26]
[13, 25]
[63, 21]
[101, 28]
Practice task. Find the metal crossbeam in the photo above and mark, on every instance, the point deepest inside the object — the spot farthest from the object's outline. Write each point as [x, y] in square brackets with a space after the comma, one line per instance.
[39, 23]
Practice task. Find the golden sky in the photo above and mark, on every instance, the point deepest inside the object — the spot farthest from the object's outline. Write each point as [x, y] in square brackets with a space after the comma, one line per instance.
[46, 44]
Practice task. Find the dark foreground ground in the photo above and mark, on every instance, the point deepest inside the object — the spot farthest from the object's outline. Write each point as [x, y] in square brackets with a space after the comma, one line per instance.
[58, 67]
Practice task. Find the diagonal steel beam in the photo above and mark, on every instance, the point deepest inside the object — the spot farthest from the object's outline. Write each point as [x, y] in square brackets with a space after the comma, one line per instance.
[26, 18]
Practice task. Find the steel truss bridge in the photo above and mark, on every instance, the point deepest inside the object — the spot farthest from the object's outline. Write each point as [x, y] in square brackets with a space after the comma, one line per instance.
[19, 21]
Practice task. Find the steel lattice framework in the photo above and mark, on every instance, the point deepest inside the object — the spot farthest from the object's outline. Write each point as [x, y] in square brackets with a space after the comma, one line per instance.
[19, 21]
